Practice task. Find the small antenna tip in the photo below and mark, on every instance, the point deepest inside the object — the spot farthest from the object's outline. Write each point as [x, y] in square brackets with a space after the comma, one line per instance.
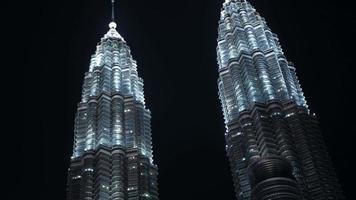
[112, 25]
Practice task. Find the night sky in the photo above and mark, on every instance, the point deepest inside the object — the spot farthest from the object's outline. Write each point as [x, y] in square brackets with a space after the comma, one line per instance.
[174, 44]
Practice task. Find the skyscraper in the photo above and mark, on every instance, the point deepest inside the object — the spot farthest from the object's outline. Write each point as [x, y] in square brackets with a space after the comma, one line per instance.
[274, 143]
[112, 157]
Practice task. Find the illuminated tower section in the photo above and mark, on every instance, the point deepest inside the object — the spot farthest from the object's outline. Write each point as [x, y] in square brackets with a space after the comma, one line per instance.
[274, 144]
[112, 157]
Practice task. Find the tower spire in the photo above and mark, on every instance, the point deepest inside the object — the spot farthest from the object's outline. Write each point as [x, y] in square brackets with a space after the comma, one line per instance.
[113, 10]
[112, 24]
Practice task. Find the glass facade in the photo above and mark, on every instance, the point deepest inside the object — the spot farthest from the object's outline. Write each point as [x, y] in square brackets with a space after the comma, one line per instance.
[112, 153]
[266, 115]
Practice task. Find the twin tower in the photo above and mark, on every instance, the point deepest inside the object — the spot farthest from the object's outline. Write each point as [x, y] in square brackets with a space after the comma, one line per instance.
[274, 144]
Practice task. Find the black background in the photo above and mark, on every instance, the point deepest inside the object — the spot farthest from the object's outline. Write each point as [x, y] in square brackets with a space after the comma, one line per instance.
[174, 43]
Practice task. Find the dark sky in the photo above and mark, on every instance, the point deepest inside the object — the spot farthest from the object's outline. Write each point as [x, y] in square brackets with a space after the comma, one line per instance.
[174, 43]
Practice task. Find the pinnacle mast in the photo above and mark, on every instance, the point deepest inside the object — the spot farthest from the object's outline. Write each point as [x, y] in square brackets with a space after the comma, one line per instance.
[113, 10]
[112, 24]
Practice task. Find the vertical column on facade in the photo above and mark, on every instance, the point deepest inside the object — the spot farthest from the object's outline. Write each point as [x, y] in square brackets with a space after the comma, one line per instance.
[239, 91]
[303, 150]
[153, 183]
[104, 120]
[86, 87]
[95, 85]
[117, 121]
[74, 180]
[102, 175]
[261, 35]
[133, 190]
[147, 134]
[266, 138]
[236, 138]
[278, 76]
[139, 128]
[106, 73]
[226, 95]
[264, 78]
[80, 129]
[118, 180]
[222, 99]
[91, 124]
[130, 123]
[250, 80]
[144, 177]
[287, 77]
[116, 72]
[87, 183]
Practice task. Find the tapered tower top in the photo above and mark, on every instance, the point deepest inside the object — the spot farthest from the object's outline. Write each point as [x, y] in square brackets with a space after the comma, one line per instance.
[112, 33]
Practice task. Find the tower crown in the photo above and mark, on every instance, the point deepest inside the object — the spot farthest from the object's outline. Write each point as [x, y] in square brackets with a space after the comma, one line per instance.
[112, 33]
